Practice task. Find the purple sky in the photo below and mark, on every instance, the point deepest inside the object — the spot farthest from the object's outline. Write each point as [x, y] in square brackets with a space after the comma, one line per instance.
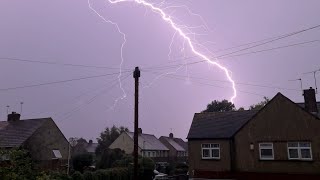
[69, 32]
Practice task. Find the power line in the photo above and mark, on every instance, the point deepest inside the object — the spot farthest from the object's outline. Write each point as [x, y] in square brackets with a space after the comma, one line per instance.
[56, 63]
[217, 86]
[243, 49]
[69, 113]
[248, 53]
[58, 82]
[224, 81]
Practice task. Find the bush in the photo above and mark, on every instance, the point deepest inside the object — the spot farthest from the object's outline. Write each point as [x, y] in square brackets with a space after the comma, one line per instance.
[88, 176]
[81, 161]
[77, 176]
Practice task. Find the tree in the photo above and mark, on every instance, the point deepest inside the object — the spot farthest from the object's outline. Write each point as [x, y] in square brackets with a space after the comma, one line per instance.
[19, 166]
[109, 157]
[260, 104]
[81, 161]
[220, 106]
[108, 136]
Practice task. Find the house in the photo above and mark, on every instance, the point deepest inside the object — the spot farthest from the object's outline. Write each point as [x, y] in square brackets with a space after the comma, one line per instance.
[148, 146]
[281, 140]
[177, 148]
[43, 139]
[82, 146]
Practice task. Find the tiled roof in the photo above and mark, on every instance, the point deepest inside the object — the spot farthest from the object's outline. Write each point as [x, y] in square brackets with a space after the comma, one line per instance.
[15, 133]
[173, 143]
[149, 142]
[218, 124]
[182, 143]
[91, 148]
[318, 106]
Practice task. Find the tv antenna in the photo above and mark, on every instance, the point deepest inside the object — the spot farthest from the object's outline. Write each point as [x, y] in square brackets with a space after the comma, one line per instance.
[300, 79]
[315, 78]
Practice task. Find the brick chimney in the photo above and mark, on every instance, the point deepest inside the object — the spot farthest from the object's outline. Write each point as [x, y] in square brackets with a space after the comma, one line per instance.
[13, 117]
[310, 103]
[139, 131]
[90, 141]
[171, 135]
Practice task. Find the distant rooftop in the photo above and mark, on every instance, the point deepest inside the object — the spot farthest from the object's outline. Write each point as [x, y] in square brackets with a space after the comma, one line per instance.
[15, 133]
[149, 142]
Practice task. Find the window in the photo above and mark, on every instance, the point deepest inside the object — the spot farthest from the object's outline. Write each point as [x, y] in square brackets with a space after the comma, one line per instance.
[210, 151]
[144, 154]
[299, 151]
[266, 151]
[149, 154]
[153, 154]
[57, 154]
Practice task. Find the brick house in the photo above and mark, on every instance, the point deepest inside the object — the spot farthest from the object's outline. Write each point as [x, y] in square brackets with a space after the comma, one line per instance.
[281, 140]
[178, 149]
[148, 146]
[45, 142]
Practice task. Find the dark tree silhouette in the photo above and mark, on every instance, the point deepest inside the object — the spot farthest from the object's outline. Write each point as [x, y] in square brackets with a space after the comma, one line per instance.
[260, 104]
[220, 106]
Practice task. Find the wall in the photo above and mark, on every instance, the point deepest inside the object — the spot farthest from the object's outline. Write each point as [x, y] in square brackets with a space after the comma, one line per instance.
[198, 165]
[279, 122]
[125, 143]
[44, 140]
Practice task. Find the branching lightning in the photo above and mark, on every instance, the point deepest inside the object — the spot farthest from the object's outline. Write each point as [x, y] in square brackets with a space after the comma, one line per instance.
[179, 30]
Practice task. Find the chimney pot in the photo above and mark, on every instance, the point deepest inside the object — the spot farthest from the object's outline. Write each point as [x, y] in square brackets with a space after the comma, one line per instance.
[171, 135]
[13, 117]
[310, 102]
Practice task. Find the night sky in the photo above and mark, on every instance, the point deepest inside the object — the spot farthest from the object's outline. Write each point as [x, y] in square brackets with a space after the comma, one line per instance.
[68, 34]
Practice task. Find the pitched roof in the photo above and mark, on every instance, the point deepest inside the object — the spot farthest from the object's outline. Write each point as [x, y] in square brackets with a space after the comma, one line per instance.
[218, 124]
[148, 142]
[302, 104]
[182, 143]
[15, 133]
[174, 143]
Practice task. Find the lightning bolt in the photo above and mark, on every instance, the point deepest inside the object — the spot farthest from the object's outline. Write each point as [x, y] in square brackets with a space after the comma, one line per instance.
[124, 95]
[178, 30]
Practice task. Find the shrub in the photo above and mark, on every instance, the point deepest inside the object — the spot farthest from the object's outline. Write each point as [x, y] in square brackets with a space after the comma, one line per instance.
[88, 176]
[77, 176]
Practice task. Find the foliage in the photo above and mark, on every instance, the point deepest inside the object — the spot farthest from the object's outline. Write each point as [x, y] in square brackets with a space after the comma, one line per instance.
[88, 176]
[108, 136]
[19, 166]
[220, 106]
[241, 109]
[146, 168]
[77, 176]
[81, 161]
[260, 104]
[109, 157]
[124, 162]
[112, 174]
[181, 168]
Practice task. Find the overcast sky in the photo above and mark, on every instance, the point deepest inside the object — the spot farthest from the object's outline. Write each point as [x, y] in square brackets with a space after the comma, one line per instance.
[69, 32]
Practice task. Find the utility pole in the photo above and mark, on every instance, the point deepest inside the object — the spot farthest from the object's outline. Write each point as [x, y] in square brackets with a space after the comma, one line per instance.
[136, 76]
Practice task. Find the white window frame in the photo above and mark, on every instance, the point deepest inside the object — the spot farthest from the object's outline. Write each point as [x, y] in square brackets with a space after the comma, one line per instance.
[299, 148]
[260, 148]
[210, 148]
[57, 154]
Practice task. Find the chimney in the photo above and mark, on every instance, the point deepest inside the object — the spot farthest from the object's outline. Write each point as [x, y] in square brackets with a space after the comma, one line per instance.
[13, 117]
[171, 135]
[90, 141]
[139, 131]
[310, 103]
